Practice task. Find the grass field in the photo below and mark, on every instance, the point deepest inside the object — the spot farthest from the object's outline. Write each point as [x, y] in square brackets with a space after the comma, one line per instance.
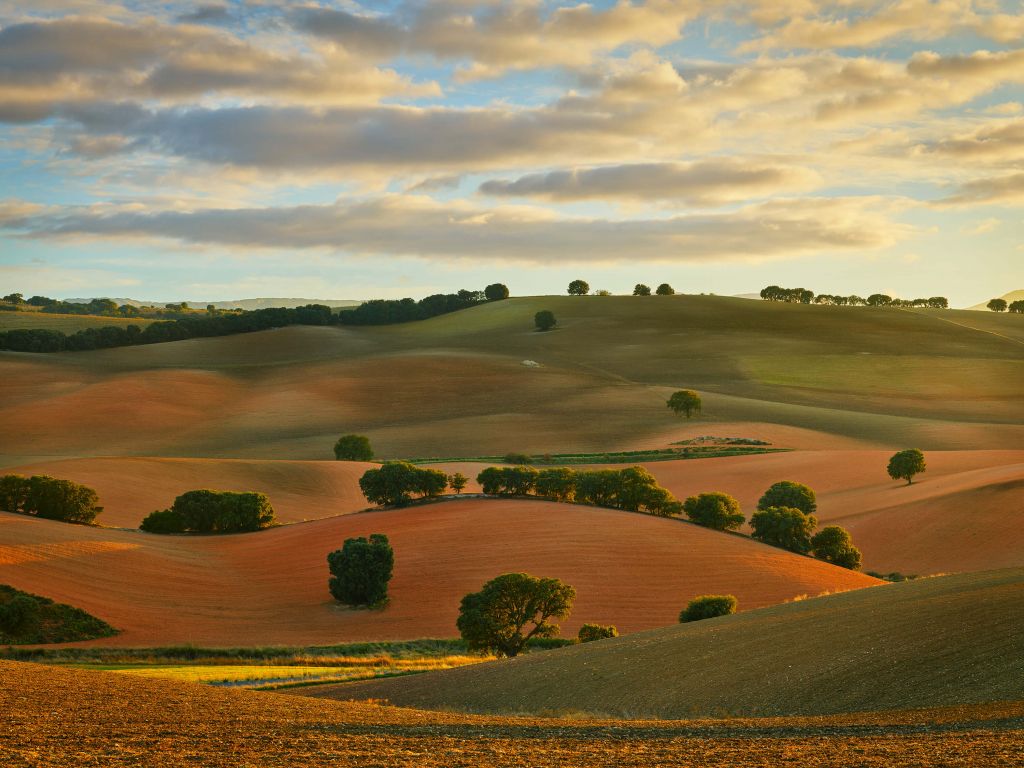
[66, 323]
[949, 640]
[58, 718]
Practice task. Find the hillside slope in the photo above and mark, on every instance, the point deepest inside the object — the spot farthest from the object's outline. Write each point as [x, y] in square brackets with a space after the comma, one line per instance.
[948, 640]
[634, 571]
[455, 384]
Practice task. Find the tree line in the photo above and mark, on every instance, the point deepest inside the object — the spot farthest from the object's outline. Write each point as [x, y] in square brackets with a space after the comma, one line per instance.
[1000, 305]
[804, 296]
[49, 497]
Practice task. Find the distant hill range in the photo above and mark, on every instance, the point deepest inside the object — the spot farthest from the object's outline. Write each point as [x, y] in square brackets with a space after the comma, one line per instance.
[239, 304]
[1010, 297]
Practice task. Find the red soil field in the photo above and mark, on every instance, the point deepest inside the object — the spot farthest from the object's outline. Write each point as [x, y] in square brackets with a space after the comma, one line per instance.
[631, 570]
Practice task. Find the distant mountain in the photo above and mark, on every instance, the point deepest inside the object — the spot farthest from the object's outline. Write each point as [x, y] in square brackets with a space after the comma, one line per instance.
[239, 304]
[1010, 297]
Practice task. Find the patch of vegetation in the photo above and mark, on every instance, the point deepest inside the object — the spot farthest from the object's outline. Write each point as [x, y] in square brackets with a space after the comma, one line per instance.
[28, 619]
[612, 457]
[590, 632]
[708, 607]
[361, 570]
[206, 511]
[353, 448]
[895, 577]
[49, 497]
[395, 482]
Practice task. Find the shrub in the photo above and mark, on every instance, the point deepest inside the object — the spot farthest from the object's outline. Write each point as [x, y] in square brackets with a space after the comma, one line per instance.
[708, 607]
[719, 511]
[905, 464]
[685, 402]
[353, 448]
[163, 521]
[789, 494]
[834, 545]
[785, 527]
[590, 632]
[361, 570]
[545, 320]
[395, 481]
[496, 618]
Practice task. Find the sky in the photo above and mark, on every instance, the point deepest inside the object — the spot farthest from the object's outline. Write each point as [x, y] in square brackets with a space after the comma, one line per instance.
[354, 150]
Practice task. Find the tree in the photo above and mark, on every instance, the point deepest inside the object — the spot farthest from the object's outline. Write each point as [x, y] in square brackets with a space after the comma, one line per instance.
[510, 610]
[641, 290]
[496, 292]
[14, 298]
[55, 499]
[361, 570]
[395, 481]
[786, 493]
[19, 614]
[879, 300]
[785, 527]
[997, 305]
[558, 483]
[665, 290]
[508, 481]
[545, 320]
[708, 607]
[163, 521]
[905, 464]
[590, 632]
[353, 448]
[207, 511]
[1017, 307]
[457, 482]
[834, 545]
[685, 402]
[718, 511]
[579, 288]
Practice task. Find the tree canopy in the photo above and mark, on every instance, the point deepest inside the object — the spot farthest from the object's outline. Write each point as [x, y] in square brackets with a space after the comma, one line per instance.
[685, 402]
[208, 511]
[49, 497]
[496, 292]
[361, 570]
[997, 305]
[395, 482]
[787, 493]
[579, 288]
[834, 545]
[903, 465]
[785, 527]
[545, 320]
[510, 610]
[353, 448]
[665, 290]
[641, 290]
[718, 511]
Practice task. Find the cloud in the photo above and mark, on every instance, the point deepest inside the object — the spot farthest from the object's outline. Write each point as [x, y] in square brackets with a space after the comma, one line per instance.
[709, 182]
[47, 64]
[500, 36]
[996, 190]
[1004, 141]
[417, 226]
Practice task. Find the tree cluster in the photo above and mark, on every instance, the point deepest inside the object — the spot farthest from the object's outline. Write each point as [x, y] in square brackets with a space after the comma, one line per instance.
[396, 482]
[1017, 307]
[633, 489]
[1000, 305]
[206, 511]
[804, 296]
[361, 570]
[49, 498]
[390, 311]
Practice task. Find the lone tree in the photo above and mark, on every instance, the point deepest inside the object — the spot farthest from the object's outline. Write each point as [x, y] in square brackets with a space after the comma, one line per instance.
[496, 292]
[665, 290]
[997, 305]
[785, 527]
[905, 464]
[590, 632]
[708, 607]
[361, 570]
[353, 448]
[685, 402]
[510, 609]
[641, 290]
[545, 320]
[719, 511]
[834, 545]
[579, 288]
[457, 482]
[786, 493]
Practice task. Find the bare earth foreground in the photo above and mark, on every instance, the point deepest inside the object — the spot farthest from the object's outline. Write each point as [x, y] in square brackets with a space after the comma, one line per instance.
[52, 718]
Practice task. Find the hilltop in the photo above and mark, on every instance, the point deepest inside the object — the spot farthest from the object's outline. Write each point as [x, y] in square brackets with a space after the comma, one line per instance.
[943, 641]
[631, 570]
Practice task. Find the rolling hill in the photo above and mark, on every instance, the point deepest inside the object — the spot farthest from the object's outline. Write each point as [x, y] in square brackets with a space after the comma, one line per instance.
[1008, 297]
[634, 571]
[455, 384]
[951, 640]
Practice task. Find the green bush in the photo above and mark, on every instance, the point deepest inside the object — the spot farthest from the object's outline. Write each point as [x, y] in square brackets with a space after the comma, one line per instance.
[785, 527]
[789, 494]
[718, 511]
[545, 320]
[590, 632]
[353, 448]
[361, 570]
[708, 607]
[834, 545]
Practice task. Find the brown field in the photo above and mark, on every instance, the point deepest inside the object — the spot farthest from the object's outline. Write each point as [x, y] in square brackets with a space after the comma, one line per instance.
[949, 640]
[58, 718]
[631, 570]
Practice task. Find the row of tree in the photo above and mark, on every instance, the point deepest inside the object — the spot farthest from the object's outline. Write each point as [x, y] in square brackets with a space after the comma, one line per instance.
[390, 311]
[206, 511]
[1000, 305]
[49, 497]
[582, 288]
[804, 296]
